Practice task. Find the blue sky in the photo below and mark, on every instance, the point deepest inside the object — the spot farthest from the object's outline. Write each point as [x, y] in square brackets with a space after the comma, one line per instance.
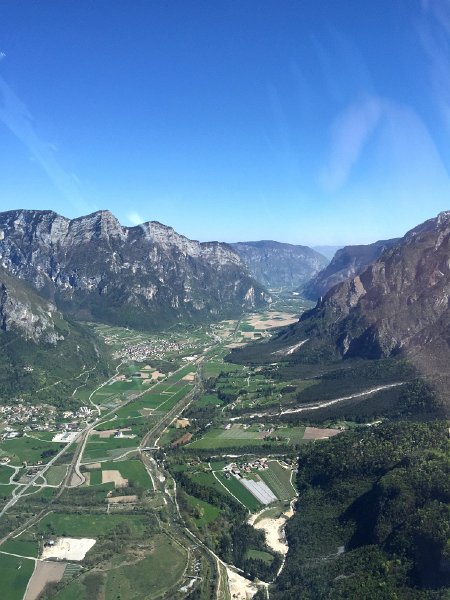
[296, 120]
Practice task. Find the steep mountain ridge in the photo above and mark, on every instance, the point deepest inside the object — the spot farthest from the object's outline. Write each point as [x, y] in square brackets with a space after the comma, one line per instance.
[24, 312]
[346, 263]
[38, 345]
[143, 276]
[278, 265]
[399, 305]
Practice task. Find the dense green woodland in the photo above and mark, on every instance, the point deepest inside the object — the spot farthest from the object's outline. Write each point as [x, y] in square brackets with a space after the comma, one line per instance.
[229, 535]
[373, 518]
[79, 350]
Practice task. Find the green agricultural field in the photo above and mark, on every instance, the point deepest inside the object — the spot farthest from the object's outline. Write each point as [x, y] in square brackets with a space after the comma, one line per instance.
[291, 435]
[150, 577]
[163, 398]
[241, 493]
[74, 591]
[206, 512]
[95, 477]
[135, 422]
[133, 470]
[29, 449]
[14, 575]
[103, 448]
[170, 435]
[24, 547]
[279, 480]
[207, 400]
[260, 555]
[56, 474]
[75, 525]
[223, 438]
[215, 368]
[218, 465]
[5, 492]
[45, 436]
[5, 474]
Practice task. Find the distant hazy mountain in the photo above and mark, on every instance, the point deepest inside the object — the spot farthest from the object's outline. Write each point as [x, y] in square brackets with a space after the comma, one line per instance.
[347, 262]
[280, 266]
[327, 251]
[145, 276]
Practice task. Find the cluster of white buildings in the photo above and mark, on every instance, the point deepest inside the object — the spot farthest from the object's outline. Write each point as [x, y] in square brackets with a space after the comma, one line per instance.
[259, 464]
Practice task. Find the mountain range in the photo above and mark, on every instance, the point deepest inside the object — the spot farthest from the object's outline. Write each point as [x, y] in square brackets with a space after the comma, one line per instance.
[390, 298]
[147, 276]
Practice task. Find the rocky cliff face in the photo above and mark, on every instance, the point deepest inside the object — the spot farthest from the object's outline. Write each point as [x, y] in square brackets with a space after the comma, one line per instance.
[141, 276]
[280, 266]
[346, 263]
[22, 311]
[398, 305]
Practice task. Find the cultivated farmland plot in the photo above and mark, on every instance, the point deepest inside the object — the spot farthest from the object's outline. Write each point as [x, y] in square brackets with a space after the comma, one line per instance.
[279, 480]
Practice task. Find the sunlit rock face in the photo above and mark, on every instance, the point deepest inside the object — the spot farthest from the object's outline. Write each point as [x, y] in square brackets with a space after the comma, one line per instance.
[24, 312]
[346, 263]
[144, 276]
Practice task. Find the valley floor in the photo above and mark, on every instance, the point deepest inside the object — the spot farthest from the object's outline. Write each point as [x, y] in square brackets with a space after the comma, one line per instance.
[175, 475]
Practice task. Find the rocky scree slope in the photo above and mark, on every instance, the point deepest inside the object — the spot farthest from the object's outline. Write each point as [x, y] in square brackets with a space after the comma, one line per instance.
[280, 266]
[144, 276]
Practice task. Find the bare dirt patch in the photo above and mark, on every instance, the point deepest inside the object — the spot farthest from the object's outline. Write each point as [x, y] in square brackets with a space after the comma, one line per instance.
[316, 433]
[274, 532]
[240, 587]
[75, 480]
[44, 572]
[114, 477]
[109, 432]
[189, 377]
[68, 548]
[278, 319]
[93, 466]
[122, 499]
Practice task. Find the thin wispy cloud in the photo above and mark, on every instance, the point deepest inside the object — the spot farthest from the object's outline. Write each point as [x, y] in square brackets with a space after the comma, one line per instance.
[434, 34]
[350, 133]
[135, 218]
[15, 115]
